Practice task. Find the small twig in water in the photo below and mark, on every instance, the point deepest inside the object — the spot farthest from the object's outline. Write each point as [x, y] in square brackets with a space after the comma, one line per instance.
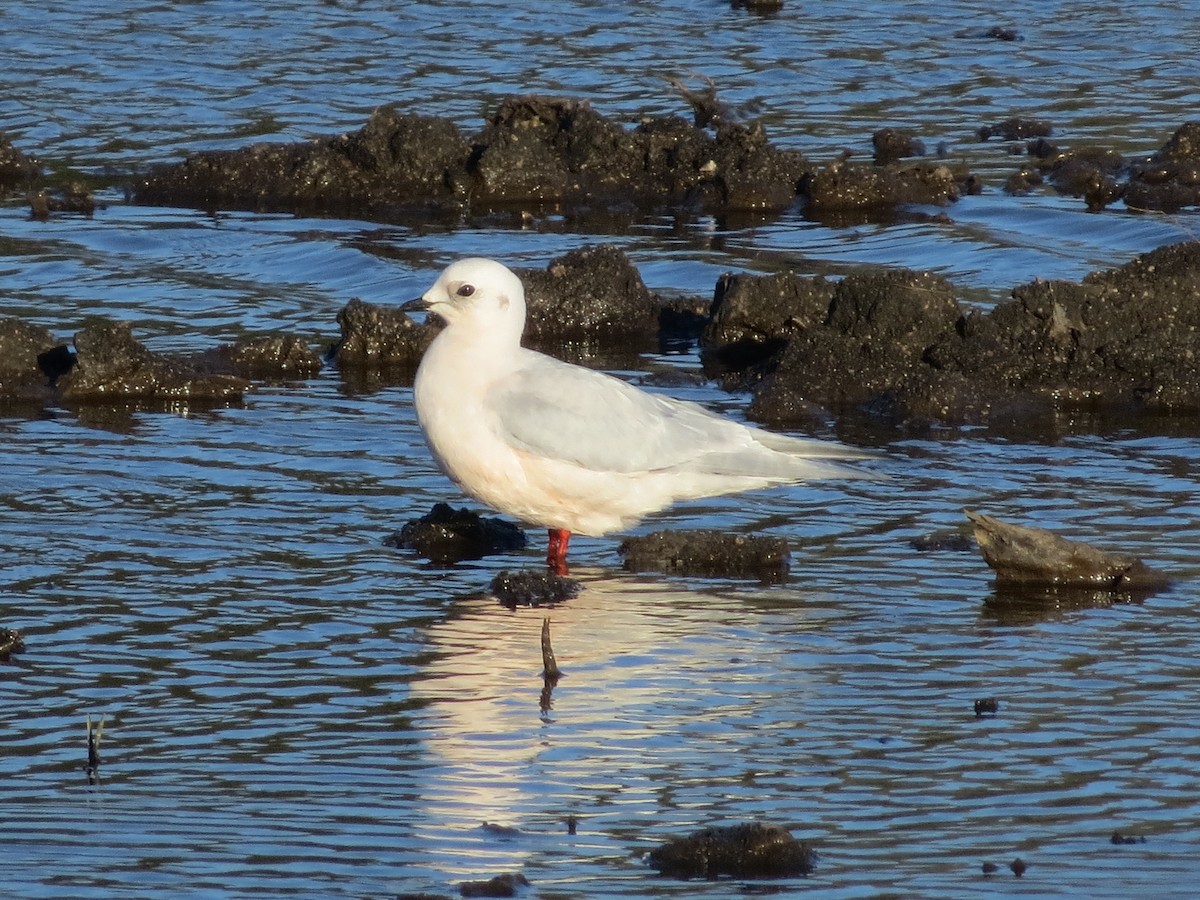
[549, 664]
[93, 745]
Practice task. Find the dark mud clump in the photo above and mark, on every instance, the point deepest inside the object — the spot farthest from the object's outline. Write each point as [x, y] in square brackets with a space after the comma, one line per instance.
[109, 362]
[551, 152]
[899, 345]
[1021, 555]
[505, 885]
[749, 850]
[593, 290]
[533, 588]
[1170, 179]
[708, 554]
[448, 535]
[11, 642]
[27, 353]
[16, 168]
[381, 336]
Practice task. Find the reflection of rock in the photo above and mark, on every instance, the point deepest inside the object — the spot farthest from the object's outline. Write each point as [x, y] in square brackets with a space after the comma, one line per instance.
[533, 588]
[708, 554]
[448, 535]
[1021, 555]
[750, 850]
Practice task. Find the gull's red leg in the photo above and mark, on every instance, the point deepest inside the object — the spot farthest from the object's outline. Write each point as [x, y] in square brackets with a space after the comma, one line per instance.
[556, 551]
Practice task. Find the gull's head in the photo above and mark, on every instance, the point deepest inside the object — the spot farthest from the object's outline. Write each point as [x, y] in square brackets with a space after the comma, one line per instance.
[479, 294]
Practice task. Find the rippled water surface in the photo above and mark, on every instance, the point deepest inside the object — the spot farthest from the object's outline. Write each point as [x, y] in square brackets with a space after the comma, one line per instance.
[293, 709]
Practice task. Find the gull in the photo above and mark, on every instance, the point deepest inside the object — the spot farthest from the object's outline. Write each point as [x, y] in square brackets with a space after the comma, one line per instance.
[568, 448]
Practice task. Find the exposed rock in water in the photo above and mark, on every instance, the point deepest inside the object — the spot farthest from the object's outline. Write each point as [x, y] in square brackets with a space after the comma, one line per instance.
[381, 336]
[1017, 129]
[11, 641]
[23, 376]
[448, 535]
[110, 363]
[505, 885]
[1170, 179]
[270, 355]
[1023, 555]
[533, 588]
[593, 290]
[16, 168]
[892, 144]
[901, 347]
[844, 185]
[708, 554]
[749, 850]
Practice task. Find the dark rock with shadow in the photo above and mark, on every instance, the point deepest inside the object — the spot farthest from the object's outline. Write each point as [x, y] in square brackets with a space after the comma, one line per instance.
[381, 336]
[1022, 555]
[447, 535]
[537, 587]
[749, 850]
[594, 290]
[505, 885]
[1091, 173]
[28, 355]
[708, 554]
[901, 348]
[1170, 179]
[110, 363]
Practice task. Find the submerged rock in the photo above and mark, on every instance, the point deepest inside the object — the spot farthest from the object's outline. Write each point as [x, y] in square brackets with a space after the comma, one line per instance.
[749, 850]
[1023, 555]
[708, 554]
[448, 535]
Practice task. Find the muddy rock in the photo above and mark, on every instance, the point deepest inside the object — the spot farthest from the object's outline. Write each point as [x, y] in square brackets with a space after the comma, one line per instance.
[15, 167]
[24, 352]
[754, 316]
[843, 185]
[869, 352]
[448, 535]
[594, 291]
[274, 355]
[110, 363]
[505, 885]
[537, 587]
[892, 144]
[708, 554]
[393, 161]
[749, 850]
[1023, 555]
[380, 336]
[1091, 173]
[1170, 179]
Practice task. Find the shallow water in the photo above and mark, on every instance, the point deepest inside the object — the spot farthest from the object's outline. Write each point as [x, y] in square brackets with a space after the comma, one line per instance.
[294, 709]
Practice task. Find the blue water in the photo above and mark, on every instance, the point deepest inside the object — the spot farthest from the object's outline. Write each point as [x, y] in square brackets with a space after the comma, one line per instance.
[293, 709]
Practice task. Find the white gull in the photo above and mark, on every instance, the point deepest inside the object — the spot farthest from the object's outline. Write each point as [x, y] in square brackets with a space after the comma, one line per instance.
[569, 448]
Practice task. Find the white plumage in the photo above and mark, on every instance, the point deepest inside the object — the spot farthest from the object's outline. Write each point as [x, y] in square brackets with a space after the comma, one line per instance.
[568, 448]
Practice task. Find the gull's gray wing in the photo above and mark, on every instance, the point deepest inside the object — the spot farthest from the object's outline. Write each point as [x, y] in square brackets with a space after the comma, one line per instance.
[556, 410]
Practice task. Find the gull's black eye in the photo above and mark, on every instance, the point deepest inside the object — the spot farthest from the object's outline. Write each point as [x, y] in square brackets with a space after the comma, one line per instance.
[465, 290]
